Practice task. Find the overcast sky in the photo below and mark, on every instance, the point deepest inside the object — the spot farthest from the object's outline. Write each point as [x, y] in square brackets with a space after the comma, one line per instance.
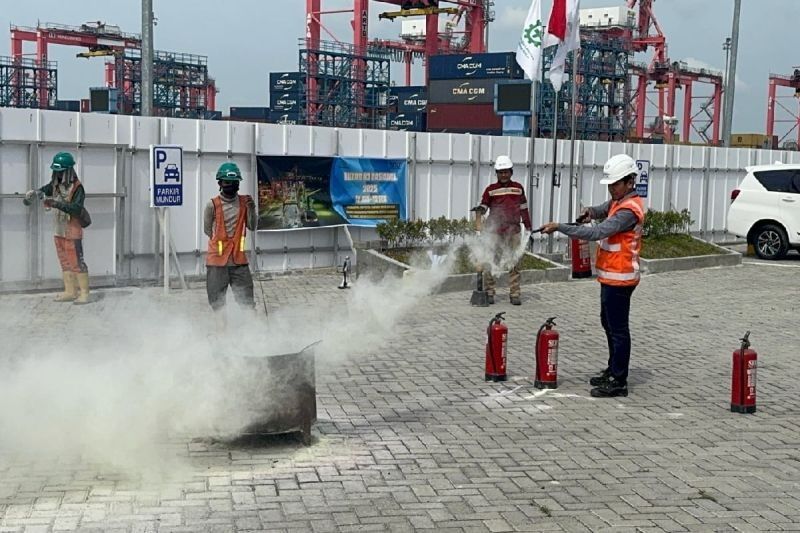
[246, 39]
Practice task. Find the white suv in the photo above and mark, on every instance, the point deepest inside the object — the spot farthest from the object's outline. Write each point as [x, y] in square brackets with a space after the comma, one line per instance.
[766, 209]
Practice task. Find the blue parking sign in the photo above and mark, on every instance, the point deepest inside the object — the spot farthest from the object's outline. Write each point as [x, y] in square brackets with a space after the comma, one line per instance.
[166, 175]
[643, 177]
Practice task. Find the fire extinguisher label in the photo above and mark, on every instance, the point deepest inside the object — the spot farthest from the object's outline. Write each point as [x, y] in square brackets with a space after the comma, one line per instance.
[552, 355]
[505, 344]
[751, 378]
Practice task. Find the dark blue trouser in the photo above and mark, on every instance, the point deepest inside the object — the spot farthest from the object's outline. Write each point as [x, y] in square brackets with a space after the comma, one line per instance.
[615, 309]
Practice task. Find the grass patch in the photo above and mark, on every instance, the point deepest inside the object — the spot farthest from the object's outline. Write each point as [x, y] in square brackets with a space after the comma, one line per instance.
[462, 265]
[677, 245]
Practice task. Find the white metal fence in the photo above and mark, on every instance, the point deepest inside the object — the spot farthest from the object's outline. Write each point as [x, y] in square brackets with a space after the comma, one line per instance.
[447, 173]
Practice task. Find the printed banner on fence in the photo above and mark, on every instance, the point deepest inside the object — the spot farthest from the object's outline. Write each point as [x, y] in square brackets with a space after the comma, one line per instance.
[304, 192]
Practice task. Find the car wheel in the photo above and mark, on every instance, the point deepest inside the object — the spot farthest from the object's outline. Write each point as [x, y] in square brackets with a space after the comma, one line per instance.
[770, 242]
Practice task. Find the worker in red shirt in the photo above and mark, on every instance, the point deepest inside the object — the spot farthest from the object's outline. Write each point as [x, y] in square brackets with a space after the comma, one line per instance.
[507, 206]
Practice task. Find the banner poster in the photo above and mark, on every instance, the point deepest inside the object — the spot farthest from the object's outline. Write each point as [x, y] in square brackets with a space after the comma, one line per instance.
[306, 192]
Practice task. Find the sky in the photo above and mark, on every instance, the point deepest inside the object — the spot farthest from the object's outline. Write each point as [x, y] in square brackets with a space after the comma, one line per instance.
[246, 39]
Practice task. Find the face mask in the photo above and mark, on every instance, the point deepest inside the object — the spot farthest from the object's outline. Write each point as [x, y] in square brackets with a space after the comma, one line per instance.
[230, 190]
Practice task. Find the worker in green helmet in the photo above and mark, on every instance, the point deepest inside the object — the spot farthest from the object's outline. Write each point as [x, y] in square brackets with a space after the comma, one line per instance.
[226, 219]
[65, 194]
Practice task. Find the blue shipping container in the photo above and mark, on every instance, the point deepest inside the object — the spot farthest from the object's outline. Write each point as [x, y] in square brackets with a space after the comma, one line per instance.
[286, 81]
[409, 99]
[287, 101]
[253, 113]
[495, 65]
[278, 117]
[407, 121]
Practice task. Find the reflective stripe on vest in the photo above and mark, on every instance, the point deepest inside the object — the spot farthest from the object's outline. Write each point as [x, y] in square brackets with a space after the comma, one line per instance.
[618, 255]
[605, 245]
[221, 246]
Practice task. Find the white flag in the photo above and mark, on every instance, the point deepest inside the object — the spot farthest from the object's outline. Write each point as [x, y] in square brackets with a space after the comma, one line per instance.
[563, 29]
[529, 49]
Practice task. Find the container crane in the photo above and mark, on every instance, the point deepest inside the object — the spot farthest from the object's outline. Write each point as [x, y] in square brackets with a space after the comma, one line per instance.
[668, 77]
[787, 115]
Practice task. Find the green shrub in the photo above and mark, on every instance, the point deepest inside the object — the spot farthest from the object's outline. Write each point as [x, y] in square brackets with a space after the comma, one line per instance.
[408, 234]
[659, 223]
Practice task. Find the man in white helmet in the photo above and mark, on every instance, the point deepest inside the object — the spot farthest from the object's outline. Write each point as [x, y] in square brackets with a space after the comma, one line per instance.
[617, 265]
[507, 206]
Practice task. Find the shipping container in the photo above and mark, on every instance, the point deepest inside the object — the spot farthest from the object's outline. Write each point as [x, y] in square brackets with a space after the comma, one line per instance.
[461, 92]
[68, 105]
[213, 115]
[287, 102]
[463, 117]
[473, 131]
[407, 121]
[278, 117]
[255, 113]
[286, 81]
[85, 105]
[409, 99]
[478, 66]
[753, 140]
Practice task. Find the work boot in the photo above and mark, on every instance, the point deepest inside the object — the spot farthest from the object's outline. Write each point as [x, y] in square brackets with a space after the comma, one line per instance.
[69, 288]
[83, 284]
[490, 298]
[515, 300]
[599, 379]
[610, 388]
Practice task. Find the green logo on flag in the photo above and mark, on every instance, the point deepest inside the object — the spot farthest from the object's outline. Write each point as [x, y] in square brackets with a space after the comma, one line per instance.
[534, 34]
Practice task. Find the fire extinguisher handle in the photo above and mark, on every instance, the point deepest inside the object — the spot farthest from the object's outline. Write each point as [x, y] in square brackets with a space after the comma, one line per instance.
[745, 340]
[551, 320]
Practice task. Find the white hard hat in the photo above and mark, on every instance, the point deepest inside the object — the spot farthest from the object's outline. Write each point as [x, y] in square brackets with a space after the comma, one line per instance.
[503, 163]
[618, 167]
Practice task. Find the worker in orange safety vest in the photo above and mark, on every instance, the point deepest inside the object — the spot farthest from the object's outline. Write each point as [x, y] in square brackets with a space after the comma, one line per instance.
[226, 219]
[617, 265]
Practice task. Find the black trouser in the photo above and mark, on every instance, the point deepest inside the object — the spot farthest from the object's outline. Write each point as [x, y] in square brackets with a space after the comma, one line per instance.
[240, 281]
[615, 309]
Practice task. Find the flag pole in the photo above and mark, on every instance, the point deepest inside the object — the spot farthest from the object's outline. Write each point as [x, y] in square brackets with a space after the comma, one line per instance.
[575, 88]
[534, 123]
[553, 177]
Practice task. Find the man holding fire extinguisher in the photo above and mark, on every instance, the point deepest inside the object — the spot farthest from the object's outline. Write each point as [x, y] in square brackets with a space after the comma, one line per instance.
[507, 206]
[617, 265]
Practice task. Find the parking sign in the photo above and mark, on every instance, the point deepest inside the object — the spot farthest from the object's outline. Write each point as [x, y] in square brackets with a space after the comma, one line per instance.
[166, 175]
[643, 178]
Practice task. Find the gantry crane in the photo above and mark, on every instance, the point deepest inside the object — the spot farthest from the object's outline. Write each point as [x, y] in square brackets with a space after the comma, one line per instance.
[106, 40]
[668, 77]
[775, 103]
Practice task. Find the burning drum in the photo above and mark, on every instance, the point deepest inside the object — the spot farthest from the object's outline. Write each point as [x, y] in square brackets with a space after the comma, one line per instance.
[282, 393]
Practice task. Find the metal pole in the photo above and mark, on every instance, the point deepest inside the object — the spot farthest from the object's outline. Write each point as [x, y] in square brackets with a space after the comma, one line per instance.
[730, 85]
[553, 177]
[573, 127]
[147, 58]
[727, 47]
[166, 249]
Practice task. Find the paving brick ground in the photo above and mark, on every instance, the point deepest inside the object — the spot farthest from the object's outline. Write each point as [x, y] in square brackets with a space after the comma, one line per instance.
[410, 437]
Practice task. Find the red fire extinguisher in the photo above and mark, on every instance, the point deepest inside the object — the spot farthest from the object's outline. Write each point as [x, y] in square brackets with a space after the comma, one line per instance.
[743, 383]
[581, 259]
[496, 341]
[547, 356]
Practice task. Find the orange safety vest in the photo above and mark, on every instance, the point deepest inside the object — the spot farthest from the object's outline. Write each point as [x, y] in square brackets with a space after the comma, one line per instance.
[221, 247]
[618, 255]
[73, 230]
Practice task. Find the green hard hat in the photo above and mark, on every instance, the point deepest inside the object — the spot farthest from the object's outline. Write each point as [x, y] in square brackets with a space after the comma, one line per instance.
[229, 171]
[62, 161]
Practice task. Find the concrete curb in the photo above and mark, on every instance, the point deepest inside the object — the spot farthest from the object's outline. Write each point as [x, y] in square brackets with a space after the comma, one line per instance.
[725, 259]
[373, 264]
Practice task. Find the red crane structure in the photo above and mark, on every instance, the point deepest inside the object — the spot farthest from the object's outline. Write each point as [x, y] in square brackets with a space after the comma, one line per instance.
[786, 115]
[667, 78]
[474, 13]
[107, 40]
